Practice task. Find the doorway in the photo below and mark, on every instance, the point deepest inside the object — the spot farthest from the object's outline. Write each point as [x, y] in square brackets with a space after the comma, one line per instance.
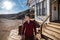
[55, 11]
[59, 9]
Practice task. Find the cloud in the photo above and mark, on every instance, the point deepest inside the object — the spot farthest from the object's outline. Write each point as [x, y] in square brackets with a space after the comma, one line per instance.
[18, 6]
[7, 5]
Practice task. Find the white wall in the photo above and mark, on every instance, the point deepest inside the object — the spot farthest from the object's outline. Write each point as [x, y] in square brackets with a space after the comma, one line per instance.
[48, 10]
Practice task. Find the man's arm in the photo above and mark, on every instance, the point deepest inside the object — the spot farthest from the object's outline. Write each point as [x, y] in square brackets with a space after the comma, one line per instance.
[23, 29]
[34, 28]
[19, 30]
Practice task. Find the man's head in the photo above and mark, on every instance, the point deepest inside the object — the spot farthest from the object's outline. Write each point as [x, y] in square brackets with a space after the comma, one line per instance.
[27, 17]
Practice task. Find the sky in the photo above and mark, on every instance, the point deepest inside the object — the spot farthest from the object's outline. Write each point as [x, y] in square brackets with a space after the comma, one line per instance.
[12, 6]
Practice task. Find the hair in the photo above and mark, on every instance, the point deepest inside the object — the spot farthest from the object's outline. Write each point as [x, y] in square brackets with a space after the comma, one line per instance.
[27, 15]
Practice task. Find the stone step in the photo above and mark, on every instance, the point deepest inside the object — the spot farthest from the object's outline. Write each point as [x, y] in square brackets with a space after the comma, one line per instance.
[57, 30]
[57, 35]
[52, 23]
[55, 26]
[49, 35]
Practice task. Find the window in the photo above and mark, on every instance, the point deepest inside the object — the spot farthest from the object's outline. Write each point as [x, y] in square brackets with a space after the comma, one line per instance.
[37, 7]
[41, 8]
[44, 8]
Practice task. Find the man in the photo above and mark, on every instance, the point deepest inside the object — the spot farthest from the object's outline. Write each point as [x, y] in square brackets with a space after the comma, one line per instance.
[29, 28]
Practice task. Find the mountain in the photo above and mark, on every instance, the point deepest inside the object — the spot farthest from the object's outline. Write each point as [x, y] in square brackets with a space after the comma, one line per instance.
[19, 15]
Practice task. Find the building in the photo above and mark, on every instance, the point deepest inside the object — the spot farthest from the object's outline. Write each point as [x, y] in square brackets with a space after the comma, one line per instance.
[43, 8]
[47, 11]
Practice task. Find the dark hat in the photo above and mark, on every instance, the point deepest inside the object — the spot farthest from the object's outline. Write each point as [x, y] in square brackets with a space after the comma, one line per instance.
[27, 15]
